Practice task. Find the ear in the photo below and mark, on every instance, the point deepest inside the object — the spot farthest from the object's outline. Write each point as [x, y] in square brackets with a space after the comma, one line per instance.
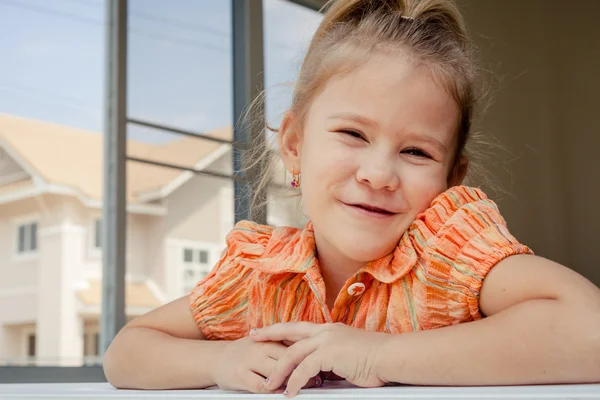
[290, 142]
[458, 173]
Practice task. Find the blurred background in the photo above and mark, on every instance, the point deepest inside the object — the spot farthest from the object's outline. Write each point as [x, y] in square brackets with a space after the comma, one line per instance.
[180, 74]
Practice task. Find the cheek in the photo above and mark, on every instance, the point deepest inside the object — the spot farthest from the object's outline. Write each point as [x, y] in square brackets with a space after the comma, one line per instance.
[423, 184]
[326, 162]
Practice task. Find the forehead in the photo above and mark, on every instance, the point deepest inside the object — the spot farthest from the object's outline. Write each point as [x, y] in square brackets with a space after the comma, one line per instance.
[393, 94]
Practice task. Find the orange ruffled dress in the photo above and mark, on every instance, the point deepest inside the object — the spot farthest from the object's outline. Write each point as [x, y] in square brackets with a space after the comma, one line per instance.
[432, 279]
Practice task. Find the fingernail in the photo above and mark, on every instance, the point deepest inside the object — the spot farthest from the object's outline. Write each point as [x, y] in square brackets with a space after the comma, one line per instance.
[285, 392]
[253, 331]
[266, 380]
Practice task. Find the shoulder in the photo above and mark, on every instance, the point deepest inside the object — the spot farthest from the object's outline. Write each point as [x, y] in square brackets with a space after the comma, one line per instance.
[460, 238]
[250, 240]
[462, 209]
[464, 225]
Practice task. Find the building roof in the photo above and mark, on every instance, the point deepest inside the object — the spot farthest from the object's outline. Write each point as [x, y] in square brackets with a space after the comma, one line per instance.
[72, 157]
[137, 294]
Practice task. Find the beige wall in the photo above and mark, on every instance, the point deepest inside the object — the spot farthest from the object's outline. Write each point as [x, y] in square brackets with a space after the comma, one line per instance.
[194, 211]
[548, 56]
[22, 273]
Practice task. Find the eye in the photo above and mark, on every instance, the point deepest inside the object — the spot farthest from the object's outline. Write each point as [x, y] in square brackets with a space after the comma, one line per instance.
[413, 151]
[352, 133]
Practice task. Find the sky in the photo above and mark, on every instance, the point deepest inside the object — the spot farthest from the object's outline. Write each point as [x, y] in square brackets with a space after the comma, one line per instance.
[180, 73]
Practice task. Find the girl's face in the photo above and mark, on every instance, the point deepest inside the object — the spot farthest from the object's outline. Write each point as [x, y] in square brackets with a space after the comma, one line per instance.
[377, 146]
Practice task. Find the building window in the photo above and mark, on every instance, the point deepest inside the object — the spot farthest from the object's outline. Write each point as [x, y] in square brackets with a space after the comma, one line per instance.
[196, 265]
[31, 345]
[27, 238]
[97, 344]
[203, 257]
[97, 234]
[188, 255]
[91, 344]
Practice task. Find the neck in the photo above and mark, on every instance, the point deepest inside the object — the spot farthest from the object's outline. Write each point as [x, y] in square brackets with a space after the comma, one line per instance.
[335, 268]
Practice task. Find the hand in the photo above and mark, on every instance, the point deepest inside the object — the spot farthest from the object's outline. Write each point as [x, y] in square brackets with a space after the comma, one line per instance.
[244, 364]
[350, 353]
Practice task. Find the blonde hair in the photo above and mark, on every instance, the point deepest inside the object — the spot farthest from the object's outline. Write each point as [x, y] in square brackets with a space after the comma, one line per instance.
[431, 33]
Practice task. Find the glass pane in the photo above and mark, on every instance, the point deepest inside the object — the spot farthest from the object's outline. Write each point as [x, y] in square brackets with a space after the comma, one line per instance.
[288, 30]
[188, 255]
[21, 244]
[31, 345]
[180, 75]
[51, 114]
[33, 237]
[96, 344]
[98, 234]
[86, 344]
[203, 256]
[180, 66]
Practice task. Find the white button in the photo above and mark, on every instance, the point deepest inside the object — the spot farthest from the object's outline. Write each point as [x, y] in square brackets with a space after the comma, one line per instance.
[356, 289]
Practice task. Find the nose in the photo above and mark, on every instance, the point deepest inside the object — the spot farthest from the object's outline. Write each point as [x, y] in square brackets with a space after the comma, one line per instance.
[378, 170]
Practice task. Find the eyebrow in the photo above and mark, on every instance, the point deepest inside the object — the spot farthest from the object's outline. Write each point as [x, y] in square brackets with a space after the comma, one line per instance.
[368, 122]
[429, 139]
[356, 118]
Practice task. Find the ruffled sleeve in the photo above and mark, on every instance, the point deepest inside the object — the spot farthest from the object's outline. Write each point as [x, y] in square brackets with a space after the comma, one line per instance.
[219, 303]
[466, 237]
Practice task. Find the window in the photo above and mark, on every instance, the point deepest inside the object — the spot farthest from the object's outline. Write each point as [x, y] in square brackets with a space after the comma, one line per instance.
[288, 29]
[91, 344]
[196, 265]
[31, 345]
[27, 238]
[188, 255]
[203, 257]
[196, 256]
[97, 234]
[97, 344]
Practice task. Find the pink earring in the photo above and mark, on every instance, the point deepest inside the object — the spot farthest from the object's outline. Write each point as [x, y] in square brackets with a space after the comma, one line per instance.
[295, 180]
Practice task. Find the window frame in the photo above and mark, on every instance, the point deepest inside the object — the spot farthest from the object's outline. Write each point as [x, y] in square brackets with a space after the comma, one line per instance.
[25, 221]
[116, 121]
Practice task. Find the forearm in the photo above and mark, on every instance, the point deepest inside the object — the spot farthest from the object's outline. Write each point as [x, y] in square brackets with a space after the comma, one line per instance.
[143, 358]
[535, 342]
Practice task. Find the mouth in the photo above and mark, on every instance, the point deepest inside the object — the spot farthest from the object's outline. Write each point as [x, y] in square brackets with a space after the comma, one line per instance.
[371, 210]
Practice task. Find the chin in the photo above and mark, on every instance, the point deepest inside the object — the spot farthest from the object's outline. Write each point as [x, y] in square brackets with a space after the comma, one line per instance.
[366, 251]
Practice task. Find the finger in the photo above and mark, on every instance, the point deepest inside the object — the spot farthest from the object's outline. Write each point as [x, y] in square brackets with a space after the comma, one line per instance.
[315, 381]
[265, 367]
[293, 356]
[330, 376]
[275, 350]
[290, 331]
[308, 368]
[255, 383]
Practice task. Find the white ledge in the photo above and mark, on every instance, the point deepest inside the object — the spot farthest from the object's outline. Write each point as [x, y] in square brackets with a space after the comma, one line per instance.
[331, 390]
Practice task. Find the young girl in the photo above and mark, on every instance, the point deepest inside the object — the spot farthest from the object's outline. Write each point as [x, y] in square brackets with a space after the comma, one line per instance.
[401, 275]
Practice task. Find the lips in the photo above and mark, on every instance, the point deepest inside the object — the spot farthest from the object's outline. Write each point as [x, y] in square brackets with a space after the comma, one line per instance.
[372, 208]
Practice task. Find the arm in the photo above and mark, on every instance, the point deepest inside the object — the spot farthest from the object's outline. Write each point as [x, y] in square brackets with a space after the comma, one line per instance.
[163, 349]
[542, 326]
